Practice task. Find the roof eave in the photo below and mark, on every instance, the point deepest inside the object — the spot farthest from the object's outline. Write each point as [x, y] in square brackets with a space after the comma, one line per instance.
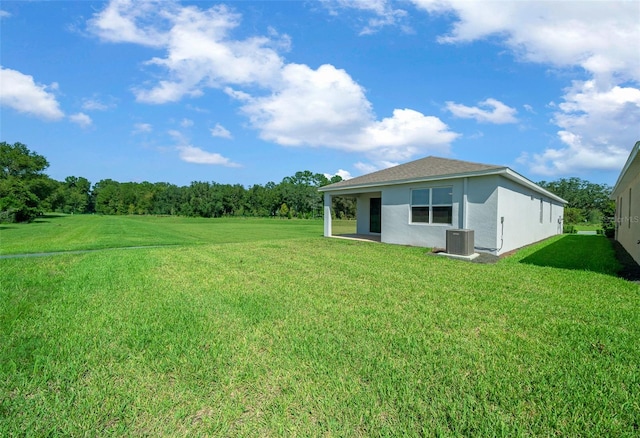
[515, 176]
[504, 171]
[413, 180]
[622, 178]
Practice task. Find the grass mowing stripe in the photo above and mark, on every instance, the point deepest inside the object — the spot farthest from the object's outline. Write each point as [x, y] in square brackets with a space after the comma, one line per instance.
[81, 232]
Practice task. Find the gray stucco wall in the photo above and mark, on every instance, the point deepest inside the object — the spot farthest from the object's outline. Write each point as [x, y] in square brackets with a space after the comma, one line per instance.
[362, 211]
[478, 203]
[482, 211]
[396, 220]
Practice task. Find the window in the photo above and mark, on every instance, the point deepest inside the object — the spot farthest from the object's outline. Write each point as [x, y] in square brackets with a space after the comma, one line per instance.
[432, 206]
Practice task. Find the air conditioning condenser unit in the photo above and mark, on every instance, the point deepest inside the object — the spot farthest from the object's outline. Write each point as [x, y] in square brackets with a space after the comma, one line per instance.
[460, 242]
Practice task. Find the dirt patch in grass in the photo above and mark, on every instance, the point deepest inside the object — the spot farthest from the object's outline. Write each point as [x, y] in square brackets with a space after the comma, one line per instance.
[630, 269]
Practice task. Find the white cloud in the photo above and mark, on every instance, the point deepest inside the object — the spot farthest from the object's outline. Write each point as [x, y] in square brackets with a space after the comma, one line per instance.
[192, 154]
[601, 37]
[384, 14]
[496, 112]
[20, 92]
[598, 127]
[220, 131]
[575, 156]
[599, 117]
[186, 123]
[605, 114]
[365, 168]
[200, 53]
[325, 107]
[95, 105]
[344, 174]
[81, 119]
[290, 104]
[140, 128]
[177, 136]
[313, 107]
[128, 21]
[404, 135]
[196, 155]
[4, 14]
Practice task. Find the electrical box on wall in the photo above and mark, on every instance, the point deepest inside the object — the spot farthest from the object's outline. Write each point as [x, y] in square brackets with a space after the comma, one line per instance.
[460, 242]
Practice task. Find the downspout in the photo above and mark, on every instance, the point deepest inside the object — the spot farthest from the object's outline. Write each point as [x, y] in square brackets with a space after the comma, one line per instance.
[464, 203]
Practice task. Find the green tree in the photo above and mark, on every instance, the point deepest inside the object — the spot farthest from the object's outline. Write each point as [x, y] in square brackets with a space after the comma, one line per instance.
[23, 185]
[76, 194]
[590, 199]
[106, 194]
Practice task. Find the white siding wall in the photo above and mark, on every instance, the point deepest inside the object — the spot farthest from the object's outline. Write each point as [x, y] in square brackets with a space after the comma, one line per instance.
[520, 208]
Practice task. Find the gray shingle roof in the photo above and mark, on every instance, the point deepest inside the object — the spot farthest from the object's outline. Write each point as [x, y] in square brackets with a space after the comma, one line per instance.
[427, 168]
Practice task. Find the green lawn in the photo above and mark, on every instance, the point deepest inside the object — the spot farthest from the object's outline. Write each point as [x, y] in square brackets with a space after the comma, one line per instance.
[587, 227]
[67, 233]
[343, 226]
[264, 328]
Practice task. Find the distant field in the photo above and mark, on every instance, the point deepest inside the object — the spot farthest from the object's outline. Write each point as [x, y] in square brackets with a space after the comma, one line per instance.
[264, 328]
[588, 227]
[343, 226]
[68, 232]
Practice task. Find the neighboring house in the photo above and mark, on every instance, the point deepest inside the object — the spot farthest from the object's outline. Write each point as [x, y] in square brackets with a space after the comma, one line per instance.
[626, 193]
[416, 202]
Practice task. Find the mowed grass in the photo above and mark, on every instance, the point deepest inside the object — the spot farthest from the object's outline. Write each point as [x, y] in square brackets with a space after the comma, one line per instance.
[306, 336]
[57, 232]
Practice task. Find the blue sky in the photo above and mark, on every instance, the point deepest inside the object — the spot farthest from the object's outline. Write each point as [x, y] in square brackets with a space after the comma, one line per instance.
[250, 92]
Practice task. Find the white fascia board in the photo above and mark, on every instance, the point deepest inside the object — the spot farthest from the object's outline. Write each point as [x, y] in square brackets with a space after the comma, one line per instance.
[358, 188]
[626, 172]
[514, 176]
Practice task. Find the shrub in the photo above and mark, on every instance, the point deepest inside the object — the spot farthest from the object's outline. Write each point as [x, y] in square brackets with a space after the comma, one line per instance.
[609, 226]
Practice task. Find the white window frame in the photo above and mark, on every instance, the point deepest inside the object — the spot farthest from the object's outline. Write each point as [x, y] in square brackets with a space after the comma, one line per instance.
[430, 205]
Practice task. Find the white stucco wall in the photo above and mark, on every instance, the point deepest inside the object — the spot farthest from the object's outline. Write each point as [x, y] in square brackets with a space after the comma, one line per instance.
[628, 218]
[520, 208]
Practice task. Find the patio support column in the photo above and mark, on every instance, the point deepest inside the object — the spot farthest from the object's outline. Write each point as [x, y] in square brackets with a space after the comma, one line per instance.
[327, 215]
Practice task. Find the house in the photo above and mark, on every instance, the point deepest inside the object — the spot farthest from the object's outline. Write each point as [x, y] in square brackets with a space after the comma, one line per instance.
[417, 202]
[626, 193]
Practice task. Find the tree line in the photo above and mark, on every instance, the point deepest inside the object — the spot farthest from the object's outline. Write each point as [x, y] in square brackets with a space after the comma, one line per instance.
[27, 192]
[586, 201]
